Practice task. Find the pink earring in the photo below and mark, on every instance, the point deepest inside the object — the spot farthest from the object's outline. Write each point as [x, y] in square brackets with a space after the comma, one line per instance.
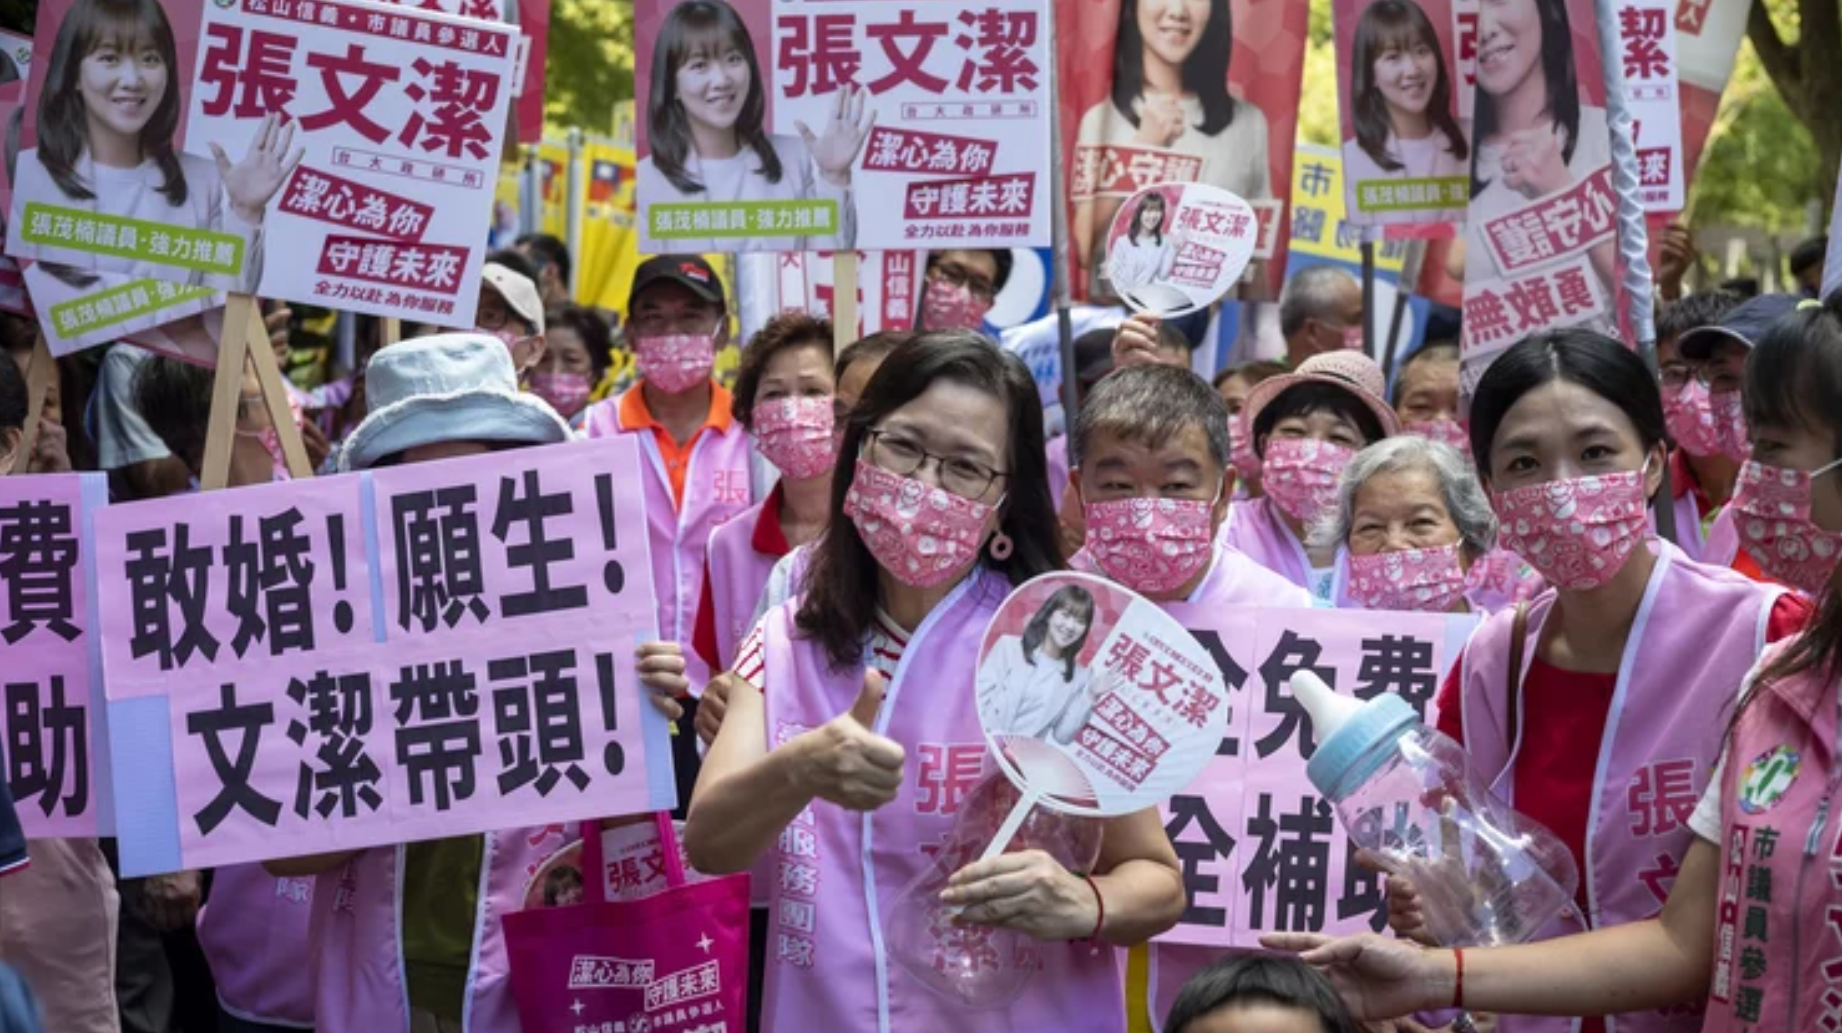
[1001, 546]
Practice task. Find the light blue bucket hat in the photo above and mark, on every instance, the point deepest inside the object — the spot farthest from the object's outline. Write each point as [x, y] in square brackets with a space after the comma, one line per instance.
[448, 387]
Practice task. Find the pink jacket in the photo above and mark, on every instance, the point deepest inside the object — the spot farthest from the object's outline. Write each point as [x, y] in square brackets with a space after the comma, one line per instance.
[1778, 938]
[1257, 529]
[839, 872]
[738, 574]
[1697, 632]
[256, 933]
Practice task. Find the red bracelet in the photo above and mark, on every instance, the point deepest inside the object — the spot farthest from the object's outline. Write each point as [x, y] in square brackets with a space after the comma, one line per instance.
[1458, 983]
[1100, 906]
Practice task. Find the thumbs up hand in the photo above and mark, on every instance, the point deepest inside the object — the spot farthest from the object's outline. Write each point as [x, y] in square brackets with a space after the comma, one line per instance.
[849, 765]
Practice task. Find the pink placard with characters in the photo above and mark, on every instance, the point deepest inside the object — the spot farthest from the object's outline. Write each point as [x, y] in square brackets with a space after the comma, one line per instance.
[1179, 247]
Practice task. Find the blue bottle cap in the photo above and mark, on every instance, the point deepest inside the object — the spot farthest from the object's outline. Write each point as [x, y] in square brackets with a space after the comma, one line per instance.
[1350, 755]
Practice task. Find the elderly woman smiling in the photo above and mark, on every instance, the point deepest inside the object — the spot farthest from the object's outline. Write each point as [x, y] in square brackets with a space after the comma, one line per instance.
[1414, 518]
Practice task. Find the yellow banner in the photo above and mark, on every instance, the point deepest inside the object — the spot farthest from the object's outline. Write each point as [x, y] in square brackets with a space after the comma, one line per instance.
[1319, 224]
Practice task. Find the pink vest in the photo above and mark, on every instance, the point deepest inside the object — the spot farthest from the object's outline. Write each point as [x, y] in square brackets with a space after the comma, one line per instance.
[1256, 528]
[1057, 456]
[1688, 526]
[1778, 932]
[1722, 549]
[255, 932]
[358, 944]
[840, 872]
[738, 574]
[716, 487]
[1698, 630]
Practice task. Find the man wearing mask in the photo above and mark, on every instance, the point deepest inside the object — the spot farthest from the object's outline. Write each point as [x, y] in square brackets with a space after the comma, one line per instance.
[961, 288]
[696, 454]
[511, 310]
[1320, 311]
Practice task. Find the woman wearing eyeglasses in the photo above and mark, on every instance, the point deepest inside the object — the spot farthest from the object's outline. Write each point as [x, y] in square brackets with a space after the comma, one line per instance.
[847, 699]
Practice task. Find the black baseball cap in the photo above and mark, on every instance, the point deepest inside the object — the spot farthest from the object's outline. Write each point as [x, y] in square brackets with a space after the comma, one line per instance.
[1746, 323]
[688, 271]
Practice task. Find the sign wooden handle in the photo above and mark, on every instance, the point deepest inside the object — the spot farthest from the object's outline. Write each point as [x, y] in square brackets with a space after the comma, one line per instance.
[843, 300]
[275, 396]
[40, 370]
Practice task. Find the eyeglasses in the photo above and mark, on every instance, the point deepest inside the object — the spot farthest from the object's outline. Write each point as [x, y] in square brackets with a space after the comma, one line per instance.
[966, 478]
[955, 275]
[1719, 376]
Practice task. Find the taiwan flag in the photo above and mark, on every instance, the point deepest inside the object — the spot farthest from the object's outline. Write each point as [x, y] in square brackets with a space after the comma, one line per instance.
[603, 182]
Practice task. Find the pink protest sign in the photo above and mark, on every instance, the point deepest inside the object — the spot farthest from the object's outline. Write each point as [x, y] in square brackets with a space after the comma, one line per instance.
[414, 652]
[56, 752]
[1261, 850]
[1179, 247]
[1093, 700]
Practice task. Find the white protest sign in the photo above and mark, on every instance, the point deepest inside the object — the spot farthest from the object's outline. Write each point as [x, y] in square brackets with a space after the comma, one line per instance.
[1178, 247]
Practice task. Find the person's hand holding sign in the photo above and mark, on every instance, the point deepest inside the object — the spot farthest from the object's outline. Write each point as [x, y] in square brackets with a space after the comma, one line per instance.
[1136, 342]
[846, 763]
[835, 149]
[1026, 891]
[253, 182]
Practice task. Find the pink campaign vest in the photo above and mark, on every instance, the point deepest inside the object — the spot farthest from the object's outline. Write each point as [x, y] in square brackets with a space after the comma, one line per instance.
[1256, 528]
[1778, 932]
[358, 944]
[840, 872]
[1698, 631]
[738, 574]
[1056, 454]
[1722, 548]
[1688, 527]
[716, 487]
[256, 933]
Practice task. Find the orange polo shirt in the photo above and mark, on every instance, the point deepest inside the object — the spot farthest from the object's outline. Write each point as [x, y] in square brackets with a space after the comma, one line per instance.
[635, 415]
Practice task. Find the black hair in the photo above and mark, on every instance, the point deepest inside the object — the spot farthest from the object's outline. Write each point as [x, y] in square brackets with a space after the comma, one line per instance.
[1809, 254]
[561, 878]
[1397, 24]
[1315, 396]
[546, 250]
[174, 400]
[15, 400]
[1132, 228]
[1076, 600]
[1001, 261]
[668, 132]
[62, 126]
[784, 332]
[1563, 81]
[1150, 405]
[1431, 351]
[1694, 311]
[1253, 372]
[875, 346]
[841, 584]
[1592, 360]
[515, 262]
[591, 327]
[1204, 72]
[1276, 979]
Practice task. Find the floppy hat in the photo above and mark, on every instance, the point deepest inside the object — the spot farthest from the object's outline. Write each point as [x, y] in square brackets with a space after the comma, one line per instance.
[1745, 323]
[1350, 370]
[449, 387]
[519, 292]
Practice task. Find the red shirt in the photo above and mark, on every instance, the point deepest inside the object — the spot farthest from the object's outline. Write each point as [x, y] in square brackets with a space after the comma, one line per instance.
[768, 540]
[1566, 710]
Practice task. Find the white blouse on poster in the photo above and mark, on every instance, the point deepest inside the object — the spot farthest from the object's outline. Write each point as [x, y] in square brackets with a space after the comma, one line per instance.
[727, 180]
[1018, 697]
[1428, 158]
[1131, 265]
[1233, 159]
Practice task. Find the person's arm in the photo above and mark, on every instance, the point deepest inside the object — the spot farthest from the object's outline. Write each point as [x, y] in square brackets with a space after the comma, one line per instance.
[1628, 968]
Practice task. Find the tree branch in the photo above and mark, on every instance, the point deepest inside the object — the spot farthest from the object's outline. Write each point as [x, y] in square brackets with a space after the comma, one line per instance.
[1819, 46]
[1780, 61]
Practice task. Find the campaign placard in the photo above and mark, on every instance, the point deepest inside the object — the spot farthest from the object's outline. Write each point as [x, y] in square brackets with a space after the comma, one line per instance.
[1406, 154]
[1647, 45]
[413, 652]
[1179, 247]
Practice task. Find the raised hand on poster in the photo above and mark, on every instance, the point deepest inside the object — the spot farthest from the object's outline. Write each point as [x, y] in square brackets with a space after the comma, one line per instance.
[1160, 120]
[1533, 162]
[253, 182]
[835, 149]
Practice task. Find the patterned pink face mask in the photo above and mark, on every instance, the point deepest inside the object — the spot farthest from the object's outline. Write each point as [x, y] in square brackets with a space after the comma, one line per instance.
[1352, 338]
[1578, 532]
[1772, 507]
[1429, 580]
[675, 363]
[1446, 432]
[795, 434]
[566, 392]
[1152, 546]
[950, 306]
[1241, 450]
[1735, 441]
[1300, 475]
[1691, 419]
[923, 535]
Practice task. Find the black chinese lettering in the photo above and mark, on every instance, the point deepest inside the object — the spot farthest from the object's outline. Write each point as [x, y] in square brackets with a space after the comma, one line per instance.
[1294, 856]
[1401, 665]
[233, 776]
[438, 731]
[1293, 654]
[38, 553]
[157, 579]
[1234, 676]
[1216, 845]
[538, 720]
[539, 551]
[1362, 889]
[438, 557]
[339, 715]
[270, 582]
[64, 777]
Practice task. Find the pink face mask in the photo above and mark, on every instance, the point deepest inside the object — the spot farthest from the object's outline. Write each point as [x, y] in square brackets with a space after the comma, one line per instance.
[1446, 432]
[1735, 441]
[1352, 338]
[566, 392]
[1152, 546]
[675, 363]
[1300, 475]
[1773, 516]
[795, 434]
[1429, 580]
[1241, 450]
[1577, 533]
[1691, 419]
[950, 306]
[923, 535]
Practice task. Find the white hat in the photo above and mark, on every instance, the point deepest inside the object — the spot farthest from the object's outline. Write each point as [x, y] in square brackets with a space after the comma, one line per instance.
[448, 387]
[519, 292]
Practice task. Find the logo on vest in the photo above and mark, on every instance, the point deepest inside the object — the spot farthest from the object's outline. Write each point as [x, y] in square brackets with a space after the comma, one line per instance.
[1768, 778]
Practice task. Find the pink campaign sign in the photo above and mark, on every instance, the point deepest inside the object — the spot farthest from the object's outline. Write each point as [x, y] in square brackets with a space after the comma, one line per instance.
[1261, 850]
[55, 749]
[470, 670]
